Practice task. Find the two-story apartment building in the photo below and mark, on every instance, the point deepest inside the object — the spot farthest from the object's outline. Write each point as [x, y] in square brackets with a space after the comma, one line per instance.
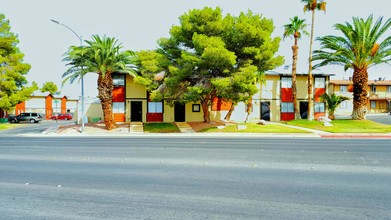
[273, 102]
[379, 95]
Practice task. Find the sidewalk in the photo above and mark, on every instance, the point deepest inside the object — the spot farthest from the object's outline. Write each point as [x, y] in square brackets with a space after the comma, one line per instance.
[136, 129]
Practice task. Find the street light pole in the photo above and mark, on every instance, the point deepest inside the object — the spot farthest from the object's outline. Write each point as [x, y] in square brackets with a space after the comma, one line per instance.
[82, 76]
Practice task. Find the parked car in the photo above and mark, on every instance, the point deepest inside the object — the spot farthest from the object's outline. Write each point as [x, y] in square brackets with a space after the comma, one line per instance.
[31, 117]
[62, 117]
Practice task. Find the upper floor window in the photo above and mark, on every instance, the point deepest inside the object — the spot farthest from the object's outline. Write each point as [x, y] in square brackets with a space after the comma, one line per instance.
[119, 80]
[373, 89]
[389, 89]
[343, 88]
[320, 82]
[286, 82]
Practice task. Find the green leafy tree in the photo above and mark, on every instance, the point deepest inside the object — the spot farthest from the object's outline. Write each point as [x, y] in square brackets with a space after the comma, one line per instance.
[50, 87]
[104, 57]
[332, 103]
[312, 5]
[359, 48]
[13, 70]
[206, 51]
[295, 29]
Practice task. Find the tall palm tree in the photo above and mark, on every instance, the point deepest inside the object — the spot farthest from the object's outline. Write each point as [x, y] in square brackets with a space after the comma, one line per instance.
[359, 48]
[103, 57]
[296, 28]
[332, 102]
[312, 5]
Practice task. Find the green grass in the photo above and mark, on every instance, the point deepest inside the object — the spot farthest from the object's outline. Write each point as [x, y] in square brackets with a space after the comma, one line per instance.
[255, 128]
[344, 126]
[6, 126]
[160, 128]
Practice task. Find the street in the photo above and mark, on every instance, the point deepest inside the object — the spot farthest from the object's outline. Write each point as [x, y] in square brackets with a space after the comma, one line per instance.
[194, 178]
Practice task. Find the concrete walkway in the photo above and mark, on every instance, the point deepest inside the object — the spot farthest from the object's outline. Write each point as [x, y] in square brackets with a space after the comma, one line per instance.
[136, 127]
[303, 129]
[184, 127]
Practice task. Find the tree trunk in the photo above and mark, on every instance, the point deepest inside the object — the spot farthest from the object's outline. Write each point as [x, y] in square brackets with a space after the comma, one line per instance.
[294, 87]
[310, 95]
[205, 109]
[249, 107]
[360, 83]
[331, 115]
[229, 113]
[105, 94]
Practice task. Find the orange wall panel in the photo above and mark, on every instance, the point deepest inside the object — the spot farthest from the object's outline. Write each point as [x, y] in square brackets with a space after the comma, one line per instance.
[119, 117]
[219, 104]
[63, 105]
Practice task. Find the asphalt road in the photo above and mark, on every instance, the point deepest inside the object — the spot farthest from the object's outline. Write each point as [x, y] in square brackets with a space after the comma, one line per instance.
[194, 178]
[36, 128]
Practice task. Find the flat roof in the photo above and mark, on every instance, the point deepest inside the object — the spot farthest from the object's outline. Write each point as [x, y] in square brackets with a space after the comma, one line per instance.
[283, 73]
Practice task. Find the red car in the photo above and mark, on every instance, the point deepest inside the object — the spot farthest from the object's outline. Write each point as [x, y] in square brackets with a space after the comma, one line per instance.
[62, 117]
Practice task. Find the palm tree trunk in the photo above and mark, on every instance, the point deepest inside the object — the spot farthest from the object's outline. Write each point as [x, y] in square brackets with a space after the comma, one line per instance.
[360, 83]
[105, 94]
[205, 108]
[310, 95]
[294, 87]
[229, 113]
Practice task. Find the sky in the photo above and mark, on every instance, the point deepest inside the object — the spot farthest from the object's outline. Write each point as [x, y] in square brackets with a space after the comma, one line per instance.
[139, 24]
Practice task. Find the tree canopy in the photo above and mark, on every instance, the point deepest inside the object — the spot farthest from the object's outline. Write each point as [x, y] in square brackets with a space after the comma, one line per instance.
[50, 87]
[13, 71]
[209, 55]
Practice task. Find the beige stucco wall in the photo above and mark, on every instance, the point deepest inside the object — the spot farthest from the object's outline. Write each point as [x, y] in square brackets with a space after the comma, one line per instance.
[134, 90]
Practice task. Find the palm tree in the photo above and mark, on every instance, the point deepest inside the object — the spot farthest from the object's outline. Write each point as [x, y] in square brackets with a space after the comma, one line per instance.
[296, 28]
[103, 57]
[359, 48]
[332, 102]
[312, 5]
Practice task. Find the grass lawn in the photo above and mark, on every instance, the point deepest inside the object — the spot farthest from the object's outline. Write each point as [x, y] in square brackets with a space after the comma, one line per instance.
[344, 126]
[6, 126]
[255, 128]
[160, 128]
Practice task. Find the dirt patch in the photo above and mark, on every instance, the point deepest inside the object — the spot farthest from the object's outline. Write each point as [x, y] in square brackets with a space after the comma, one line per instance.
[198, 126]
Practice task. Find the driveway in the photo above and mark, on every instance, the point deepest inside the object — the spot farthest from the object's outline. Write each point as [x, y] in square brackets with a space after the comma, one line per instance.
[38, 128]
[380, 118]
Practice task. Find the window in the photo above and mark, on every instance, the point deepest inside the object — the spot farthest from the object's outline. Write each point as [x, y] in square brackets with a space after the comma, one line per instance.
[286, 82]
[343, 88]
[373, 104]
[196, 108]
[388, 89]
[119, 80]
[118, 107]
[373, 89]
[287, 107]
[319, 107]
[155, 107]
[343, 105]
[320, 82]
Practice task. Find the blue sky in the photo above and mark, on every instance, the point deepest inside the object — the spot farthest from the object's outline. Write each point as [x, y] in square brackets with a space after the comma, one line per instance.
[139, 24]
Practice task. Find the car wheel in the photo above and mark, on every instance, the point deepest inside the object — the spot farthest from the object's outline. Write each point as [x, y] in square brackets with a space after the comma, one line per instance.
[32, 121]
